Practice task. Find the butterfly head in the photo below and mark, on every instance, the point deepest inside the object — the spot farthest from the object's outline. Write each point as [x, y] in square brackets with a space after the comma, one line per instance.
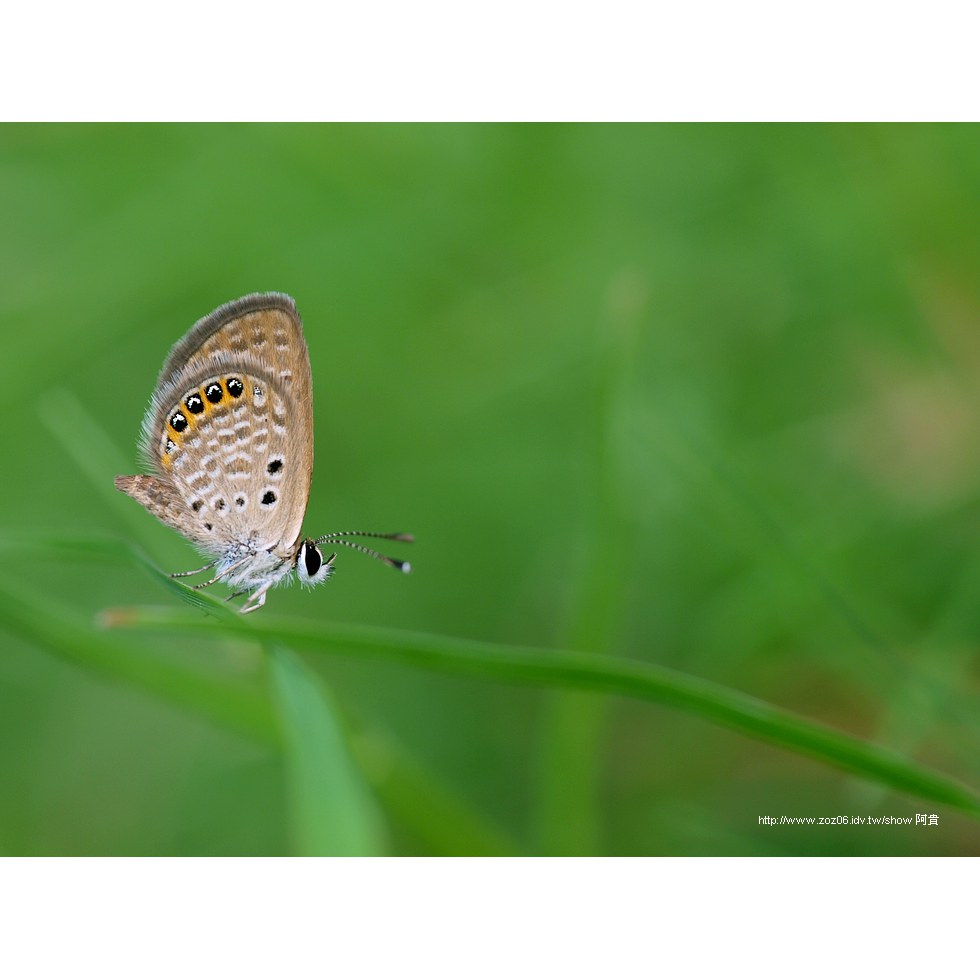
[311, 566]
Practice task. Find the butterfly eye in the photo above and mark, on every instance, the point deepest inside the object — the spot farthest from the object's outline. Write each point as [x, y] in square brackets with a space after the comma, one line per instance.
[313, 560]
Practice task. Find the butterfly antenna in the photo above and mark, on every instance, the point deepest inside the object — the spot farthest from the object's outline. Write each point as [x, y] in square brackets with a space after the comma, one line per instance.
[402, 566]
[334, 535]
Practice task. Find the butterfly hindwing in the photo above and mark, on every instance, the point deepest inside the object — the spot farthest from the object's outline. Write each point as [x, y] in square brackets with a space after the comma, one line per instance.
[160, 498]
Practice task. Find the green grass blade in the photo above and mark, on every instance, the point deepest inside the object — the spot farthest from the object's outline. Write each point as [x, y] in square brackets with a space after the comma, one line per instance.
[709, 476]
[102, 547]
[445, 823]
[231, 703]
[97, 458]
[570, 750]
[430, 809]
[555, 668]
[332, 811]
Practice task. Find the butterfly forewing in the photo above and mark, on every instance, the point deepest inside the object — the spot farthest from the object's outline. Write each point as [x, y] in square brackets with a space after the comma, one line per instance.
[230, 426]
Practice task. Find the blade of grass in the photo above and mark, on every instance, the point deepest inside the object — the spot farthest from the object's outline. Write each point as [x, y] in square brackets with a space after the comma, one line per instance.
[447, 824]
[584, 671]
[217, 696]
[915, 710]
[102, 547]
[570, 746]
[424, 804]
[671, 439]
[97, 457]
[332, 812]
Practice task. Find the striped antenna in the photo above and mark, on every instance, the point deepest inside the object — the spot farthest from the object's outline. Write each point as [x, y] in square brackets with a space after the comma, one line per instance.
[338, 537]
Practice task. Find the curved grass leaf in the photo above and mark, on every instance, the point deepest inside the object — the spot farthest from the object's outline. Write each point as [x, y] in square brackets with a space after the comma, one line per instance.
[553, 668]
[104, 547]
[222, 698]
[445, 823]
[569, 669]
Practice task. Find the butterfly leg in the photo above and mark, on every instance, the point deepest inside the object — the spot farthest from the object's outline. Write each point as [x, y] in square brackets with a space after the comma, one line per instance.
[196, 570]
[257, 600]
[221, 575]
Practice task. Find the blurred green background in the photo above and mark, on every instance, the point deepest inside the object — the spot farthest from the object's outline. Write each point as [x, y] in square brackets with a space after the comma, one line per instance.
[703, 396]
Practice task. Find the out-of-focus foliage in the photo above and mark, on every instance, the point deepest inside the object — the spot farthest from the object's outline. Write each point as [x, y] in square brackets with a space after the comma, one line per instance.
[700, 396]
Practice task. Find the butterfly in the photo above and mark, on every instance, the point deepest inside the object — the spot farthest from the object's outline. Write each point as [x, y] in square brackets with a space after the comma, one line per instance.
[229, 439]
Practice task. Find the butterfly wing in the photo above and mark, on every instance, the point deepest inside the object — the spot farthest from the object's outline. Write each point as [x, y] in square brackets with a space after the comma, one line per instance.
[229, 431]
